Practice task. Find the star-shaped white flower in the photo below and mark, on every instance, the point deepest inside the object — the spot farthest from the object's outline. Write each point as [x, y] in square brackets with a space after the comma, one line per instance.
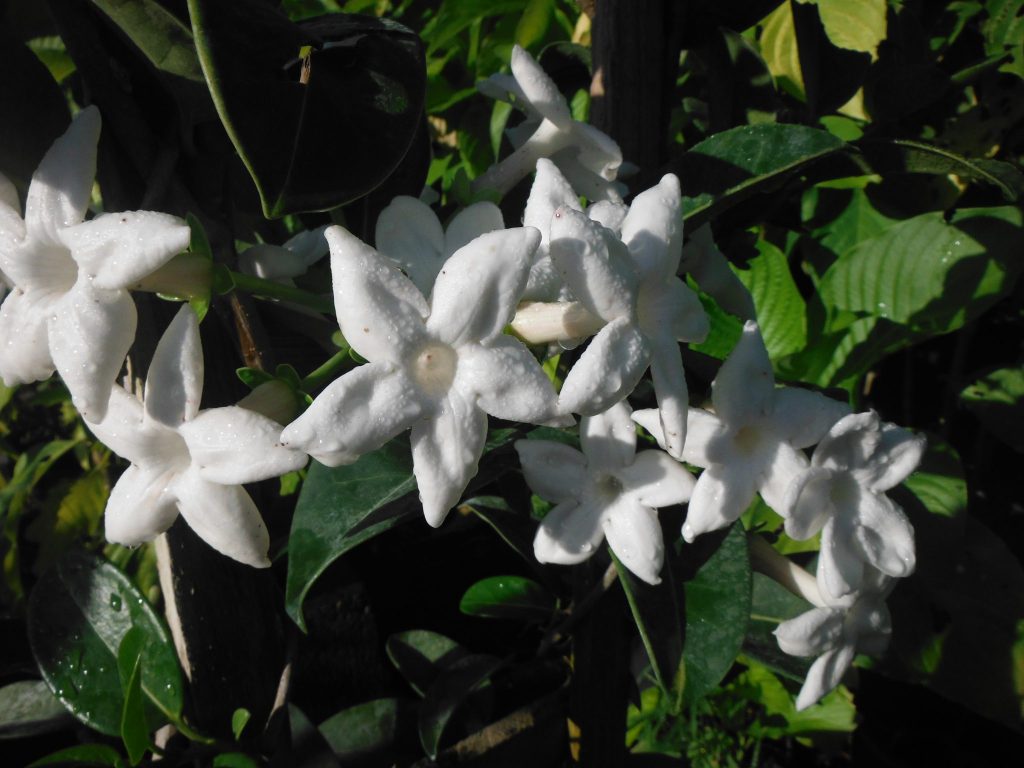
[835, 634]
[283, 262]
[409, 232]
[188, 461]
[437, 367]
[587, 157]
[842, 494]
[70, 308]
[631, 284]
[751, 442]
[607, 491]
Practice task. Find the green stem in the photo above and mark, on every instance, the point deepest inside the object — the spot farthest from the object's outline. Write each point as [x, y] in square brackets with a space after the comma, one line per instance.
[326, 372]
[269, 289]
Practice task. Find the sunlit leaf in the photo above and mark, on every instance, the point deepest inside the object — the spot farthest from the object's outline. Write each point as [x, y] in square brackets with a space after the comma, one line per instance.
[997, 399]
[781, 312]
[372, 733]
[508, 597]
[421, 655]
[28, 708]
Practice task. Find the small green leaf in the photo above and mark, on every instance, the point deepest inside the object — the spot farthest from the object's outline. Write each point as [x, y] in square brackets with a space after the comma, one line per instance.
[421, 655]
[83, 756]
[134, 729]
[997, 399]
[452, 687]
[28, 708]
[508, 597]
[239, 719]
[372, 733]
[534, 22]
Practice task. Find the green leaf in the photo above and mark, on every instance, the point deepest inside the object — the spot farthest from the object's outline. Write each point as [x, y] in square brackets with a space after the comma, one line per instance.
[158, 33]
[235, 760]
[421, 655]
[29, 470]
[534, 22]
[281, 110]
[855, 26]
[858, 220]
[939, 483]
[78, 614]
[508, 597]
[717, 611]
[371, 733]
[726, 329]
[134, 728]
[28, 708]
[453, 18]
[81, 756]
[770, 605]
[309, 748]
[731, 166]
[77, 516]
[239, 719]
[997, 399]
[452, 687]
[342, 507]
[781, 311]
[780, 51]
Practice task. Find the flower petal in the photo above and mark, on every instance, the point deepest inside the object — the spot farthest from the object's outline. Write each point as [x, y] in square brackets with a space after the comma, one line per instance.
[550, 191]
[673, 396]
[125, 431]
[593, 265]
[62, 184]
[885, 537]
[840, 565]
[634, 534]
[539, 89]
[471, 222]
[743, 390]
[271, 262]
[669, 309]
[608, 214]
[597, 153]
[24, 346]
[722, 493]
[824, 675]
[224, 516]
[234, 445]
[116, 250]
[356, 414]
[811, 633]
[785, 465]
[174, 384]
[808, 501]
[802, 417]
[37, 265]
[608, 369]
[897, 455]
[505, 380]
[12, 226]
[446, 447]
[656, 480]
[409, 232]
[139, 508]
[608, 439]
[554, 471]
[703, 429]
[89, 337]
[569, 533]
[476, 293]
[379, 309]
[653, 230]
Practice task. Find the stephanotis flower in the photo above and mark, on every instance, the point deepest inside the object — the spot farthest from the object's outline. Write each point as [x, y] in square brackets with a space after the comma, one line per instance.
[70, 308]
[607, 491]
[632, 285]
[438, 367]
[409, 232]
[750, 443]
[283, 262]
[188, 461]
[587, 157]
[835, 633]
[842, 494]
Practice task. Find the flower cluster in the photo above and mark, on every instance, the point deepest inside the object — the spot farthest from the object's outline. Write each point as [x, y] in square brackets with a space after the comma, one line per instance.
[428, 308]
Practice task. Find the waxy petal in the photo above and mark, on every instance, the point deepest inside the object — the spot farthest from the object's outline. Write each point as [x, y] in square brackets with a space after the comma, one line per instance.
[743, 390]
[476, 294]
[593, 265]
[785, 465]
[446, 447]
[608, 439]
[24, 348]
[140, 506]
[596, 152]
[539, 89]
[802, 417]
[409, 232]
[38, 266]
[702, 430]
[224, 517]
[550, 191]
[554, 471]
[897, 455]
[634, 534]
[824, 675]
[608, 370]
[379, 309]
[656, 480]
[471, 222]
[89, 337]
[608, 214]
[125, 431]
[234, 445]
[840, 565]
[117, 250]
[174, 384]
[885, 537]
[669, 309]
[569, 534]
[722, 493]
[672, 393]
[505, 380]
[12, 226]
[653, 230]
[356, 414]
[808, 500]
[811, 633]
[62, 184]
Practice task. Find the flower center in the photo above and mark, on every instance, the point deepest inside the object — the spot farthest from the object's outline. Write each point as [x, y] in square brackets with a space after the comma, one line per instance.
[434, 368]
[608, 486]
[747, 439]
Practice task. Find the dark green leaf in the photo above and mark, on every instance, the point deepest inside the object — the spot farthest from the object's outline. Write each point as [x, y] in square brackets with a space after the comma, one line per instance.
[508, 597]
[309, 748]
[134, 729]
[771, 604]
[997, 399]
[938, 483]
[342, 507]
[420, 656]
[451, 688]
[158, 33]
[28, 708]
[781, 311]
[725, 330]
[85, 755]
[372, 733]
[455, 17]
[302, 153]
[235, 760]
[731, 166]
[78, 614]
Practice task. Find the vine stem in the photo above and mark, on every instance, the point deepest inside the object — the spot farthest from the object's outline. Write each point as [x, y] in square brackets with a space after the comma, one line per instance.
[270, 289]
[327, 372]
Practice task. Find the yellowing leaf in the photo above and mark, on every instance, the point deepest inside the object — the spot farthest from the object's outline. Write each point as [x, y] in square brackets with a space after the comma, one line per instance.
[856, 25]
[779, 50]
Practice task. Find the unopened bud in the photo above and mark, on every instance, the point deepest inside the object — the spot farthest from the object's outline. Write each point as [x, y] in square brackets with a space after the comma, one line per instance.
[543, 322]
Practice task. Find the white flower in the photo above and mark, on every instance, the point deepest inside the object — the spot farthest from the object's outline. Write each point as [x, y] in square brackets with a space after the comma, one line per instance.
[835, 634]
[608, 490]
[70, 308]
[550, 191]
[632, 285]
[437, 367]
[587, 157]
[283, 262]
[189, 461]
[410, 233]
[750, 443]
[842, 494]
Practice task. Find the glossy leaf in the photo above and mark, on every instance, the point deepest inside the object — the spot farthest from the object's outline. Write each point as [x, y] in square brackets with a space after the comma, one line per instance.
[341, 507]
[451, 688]
[158, 33]
[28, 708]
[729, 167]
[508, 597]
[78, 614]
[997, 399]
[781, 311]
[309, 748]
[134, 729]
[319, 130]
[372, 733]
[421, 655]
[84, 756]
[770, 605]
[239, 719]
